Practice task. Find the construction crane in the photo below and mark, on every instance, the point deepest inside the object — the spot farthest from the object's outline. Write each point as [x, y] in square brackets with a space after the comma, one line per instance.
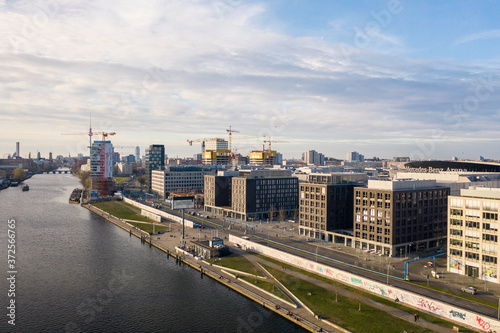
[102, 153]
[269, 141]
[231, 131]
[202, 142]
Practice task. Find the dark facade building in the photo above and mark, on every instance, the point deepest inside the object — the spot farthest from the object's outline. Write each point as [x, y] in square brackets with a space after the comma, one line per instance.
[398, 217]
[326, 203]
[252, 194]
[264, 194]
[155, 160]
[217, 193]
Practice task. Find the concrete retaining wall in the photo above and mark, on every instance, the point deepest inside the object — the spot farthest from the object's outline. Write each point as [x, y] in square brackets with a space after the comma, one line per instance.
[175, 218]
[449, 312]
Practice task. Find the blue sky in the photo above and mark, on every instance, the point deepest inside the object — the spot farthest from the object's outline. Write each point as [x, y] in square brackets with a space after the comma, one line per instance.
[385, 78]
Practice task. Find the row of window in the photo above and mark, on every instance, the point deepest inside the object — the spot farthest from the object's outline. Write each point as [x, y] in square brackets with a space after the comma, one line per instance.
[372, 237]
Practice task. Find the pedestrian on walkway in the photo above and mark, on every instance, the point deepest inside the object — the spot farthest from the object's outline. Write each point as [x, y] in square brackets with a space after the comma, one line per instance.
[418, 317]
[415, 315]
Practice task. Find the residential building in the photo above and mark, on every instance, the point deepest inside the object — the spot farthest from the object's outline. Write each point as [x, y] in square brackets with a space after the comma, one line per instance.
[395, 217]
[101, 167]
[125, 168]
[354, 156]
[155, 160]
[473, 233]
[178, 180]
[128, 159]
[312, 157]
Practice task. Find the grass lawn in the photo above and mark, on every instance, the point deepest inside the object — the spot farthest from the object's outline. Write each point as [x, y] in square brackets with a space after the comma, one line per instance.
[424, 315]
[235, 261]
[267, 286]
[345, 312]
[121, 211]
[118, 180]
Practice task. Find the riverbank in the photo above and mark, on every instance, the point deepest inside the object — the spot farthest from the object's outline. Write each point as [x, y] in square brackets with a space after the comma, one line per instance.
[168, 243]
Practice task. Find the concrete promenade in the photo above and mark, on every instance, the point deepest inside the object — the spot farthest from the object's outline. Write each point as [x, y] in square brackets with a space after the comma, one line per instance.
[167, 243]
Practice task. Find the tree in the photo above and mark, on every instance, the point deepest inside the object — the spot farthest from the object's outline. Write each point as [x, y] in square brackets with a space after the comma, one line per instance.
[141, 180]
[19, 174]
[84, 178]
[271, 211]
[281, 214]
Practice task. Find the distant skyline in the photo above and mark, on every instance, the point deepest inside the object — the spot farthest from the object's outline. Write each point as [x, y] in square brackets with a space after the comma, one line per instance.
[384, 78]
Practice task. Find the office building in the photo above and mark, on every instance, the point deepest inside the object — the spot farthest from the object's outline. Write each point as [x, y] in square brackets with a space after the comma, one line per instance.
[456, 180]
[473, 233]
[326, 204]
[400, 216]
[217, 191]
[253, 194]
[155, 160]
[178, 180]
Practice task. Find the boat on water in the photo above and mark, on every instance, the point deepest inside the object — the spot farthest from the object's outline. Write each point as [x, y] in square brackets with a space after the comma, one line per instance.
[75, 196]
[26, 188]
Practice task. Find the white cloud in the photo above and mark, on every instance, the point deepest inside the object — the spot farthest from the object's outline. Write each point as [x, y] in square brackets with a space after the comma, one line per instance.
[489, 34]
[164, 72]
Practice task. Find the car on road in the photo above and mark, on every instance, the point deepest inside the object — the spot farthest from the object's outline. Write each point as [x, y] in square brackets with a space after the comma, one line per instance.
[470, 290]
[430, 264]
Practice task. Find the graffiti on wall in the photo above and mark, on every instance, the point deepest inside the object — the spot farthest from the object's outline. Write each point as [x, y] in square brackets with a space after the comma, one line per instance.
[430, 305]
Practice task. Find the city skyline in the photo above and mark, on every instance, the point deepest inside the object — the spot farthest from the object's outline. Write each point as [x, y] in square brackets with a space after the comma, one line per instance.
[384, 78]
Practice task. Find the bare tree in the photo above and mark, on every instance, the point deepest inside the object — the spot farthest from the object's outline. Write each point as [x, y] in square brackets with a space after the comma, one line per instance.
[281, 214]
[271, 212]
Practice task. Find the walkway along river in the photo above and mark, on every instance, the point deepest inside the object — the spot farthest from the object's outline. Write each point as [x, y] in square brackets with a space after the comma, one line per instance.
[77, 272]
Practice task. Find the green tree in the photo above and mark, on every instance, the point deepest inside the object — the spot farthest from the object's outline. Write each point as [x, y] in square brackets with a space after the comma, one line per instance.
[84, 178]
[19, 174]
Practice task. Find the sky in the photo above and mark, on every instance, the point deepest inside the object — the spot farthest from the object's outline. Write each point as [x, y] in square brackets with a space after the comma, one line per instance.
[384, 78]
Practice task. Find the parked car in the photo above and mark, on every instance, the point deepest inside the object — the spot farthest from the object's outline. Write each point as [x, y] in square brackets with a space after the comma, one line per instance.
[470, 290]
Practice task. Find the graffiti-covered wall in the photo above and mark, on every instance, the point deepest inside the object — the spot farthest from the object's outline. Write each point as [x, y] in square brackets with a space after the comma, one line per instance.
[435, 307]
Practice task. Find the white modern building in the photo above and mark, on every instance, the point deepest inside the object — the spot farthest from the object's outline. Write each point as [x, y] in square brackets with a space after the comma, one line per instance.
[95, 160]
[456, 180]
[473, 233]
[178, 180]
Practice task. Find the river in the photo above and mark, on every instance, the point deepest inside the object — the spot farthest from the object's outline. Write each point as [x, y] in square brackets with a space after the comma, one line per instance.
[76, 272]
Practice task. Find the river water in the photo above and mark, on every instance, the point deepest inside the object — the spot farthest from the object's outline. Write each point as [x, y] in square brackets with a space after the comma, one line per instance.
[76, 272]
